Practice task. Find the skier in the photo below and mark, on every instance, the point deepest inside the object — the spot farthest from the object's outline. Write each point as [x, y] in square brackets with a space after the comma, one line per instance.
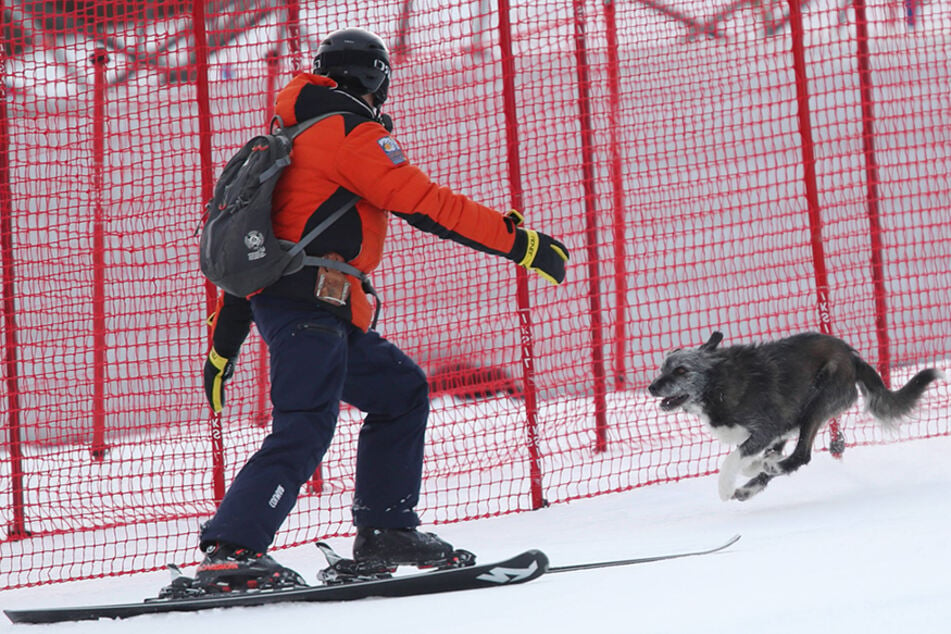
[317, 324]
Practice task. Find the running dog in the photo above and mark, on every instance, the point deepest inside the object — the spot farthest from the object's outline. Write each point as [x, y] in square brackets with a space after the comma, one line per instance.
[756, 397]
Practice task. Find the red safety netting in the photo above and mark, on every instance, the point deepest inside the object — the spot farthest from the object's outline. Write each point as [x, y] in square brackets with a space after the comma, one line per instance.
[759, 168]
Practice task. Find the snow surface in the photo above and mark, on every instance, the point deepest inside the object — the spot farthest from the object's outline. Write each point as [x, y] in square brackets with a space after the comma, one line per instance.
[853, 545]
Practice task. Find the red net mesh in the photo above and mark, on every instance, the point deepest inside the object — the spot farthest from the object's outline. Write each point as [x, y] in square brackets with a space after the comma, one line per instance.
[758, 168]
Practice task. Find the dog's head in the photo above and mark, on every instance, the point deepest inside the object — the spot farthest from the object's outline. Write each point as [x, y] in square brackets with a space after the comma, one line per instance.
[683, 375]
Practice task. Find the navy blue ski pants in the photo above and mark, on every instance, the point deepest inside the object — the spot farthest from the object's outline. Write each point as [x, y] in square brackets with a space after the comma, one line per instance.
[318, 360]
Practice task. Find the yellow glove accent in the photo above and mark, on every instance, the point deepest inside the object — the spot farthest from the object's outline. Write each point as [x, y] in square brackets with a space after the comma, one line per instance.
[217, 360]
[217, 392]
[531, 248]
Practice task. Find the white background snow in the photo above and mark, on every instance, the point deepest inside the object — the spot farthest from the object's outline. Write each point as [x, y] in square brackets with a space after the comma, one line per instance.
[859, 545]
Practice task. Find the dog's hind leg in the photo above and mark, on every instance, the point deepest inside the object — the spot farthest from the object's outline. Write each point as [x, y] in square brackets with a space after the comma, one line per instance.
[828, 402]
[772, 468]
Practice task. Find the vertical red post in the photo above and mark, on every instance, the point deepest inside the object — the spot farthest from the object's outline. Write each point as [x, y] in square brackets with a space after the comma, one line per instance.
[521, 279]
[207, 189]
[293, 29]
[99, 61]
[591, 228]
[812, 192]
[17, 528]
[401, 47]
[871, 189]
[617, 191]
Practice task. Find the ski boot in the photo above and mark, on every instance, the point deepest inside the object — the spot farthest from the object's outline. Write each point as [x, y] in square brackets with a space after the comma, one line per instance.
[378, 552]
[229, 568]
[401, 546]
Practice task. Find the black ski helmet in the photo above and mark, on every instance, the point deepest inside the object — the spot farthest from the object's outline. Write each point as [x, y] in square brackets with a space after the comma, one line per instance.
[357, 60]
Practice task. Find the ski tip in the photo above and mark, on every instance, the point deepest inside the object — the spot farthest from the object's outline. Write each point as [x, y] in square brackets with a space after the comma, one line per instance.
[732, 540]
[542, 560]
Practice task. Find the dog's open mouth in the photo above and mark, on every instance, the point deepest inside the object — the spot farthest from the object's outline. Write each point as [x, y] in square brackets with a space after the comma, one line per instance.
[673, 402]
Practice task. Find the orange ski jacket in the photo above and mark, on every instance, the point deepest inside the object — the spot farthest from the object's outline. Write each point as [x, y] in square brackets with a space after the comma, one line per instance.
[354, 153]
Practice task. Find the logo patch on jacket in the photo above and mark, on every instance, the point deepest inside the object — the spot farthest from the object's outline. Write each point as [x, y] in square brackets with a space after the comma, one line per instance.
[392, 150]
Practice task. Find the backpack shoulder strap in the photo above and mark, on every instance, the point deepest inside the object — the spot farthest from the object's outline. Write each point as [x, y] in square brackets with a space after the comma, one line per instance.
[320, 228]
[292, 132]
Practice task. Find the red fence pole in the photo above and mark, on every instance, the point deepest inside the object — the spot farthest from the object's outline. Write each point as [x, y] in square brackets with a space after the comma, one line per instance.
[617, 191]
[207, 188]
[17, 528]
[521, 278]
[591, 228]
[99, 61]
[871, 185]
[812, 192]
[293, 41]
[401, 47]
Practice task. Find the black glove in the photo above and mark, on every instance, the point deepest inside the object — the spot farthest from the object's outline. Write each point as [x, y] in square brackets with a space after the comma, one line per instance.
[218, 370]
[230, 325]
[537, 251]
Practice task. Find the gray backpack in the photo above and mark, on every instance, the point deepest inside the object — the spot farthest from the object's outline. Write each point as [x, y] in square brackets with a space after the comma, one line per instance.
[239, 252]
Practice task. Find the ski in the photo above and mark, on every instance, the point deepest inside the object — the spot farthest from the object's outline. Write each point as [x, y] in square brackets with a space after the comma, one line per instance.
[644, 560]
[521, 568]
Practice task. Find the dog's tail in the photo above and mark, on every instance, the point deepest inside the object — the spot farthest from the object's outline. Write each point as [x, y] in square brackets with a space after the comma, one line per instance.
[891, 406]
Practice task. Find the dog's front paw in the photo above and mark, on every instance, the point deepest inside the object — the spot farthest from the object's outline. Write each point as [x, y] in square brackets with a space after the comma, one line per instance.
[752, 487]
[746, 491]
[743, 494]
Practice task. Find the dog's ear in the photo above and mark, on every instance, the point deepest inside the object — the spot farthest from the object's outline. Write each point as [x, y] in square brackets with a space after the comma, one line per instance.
[712, 342]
